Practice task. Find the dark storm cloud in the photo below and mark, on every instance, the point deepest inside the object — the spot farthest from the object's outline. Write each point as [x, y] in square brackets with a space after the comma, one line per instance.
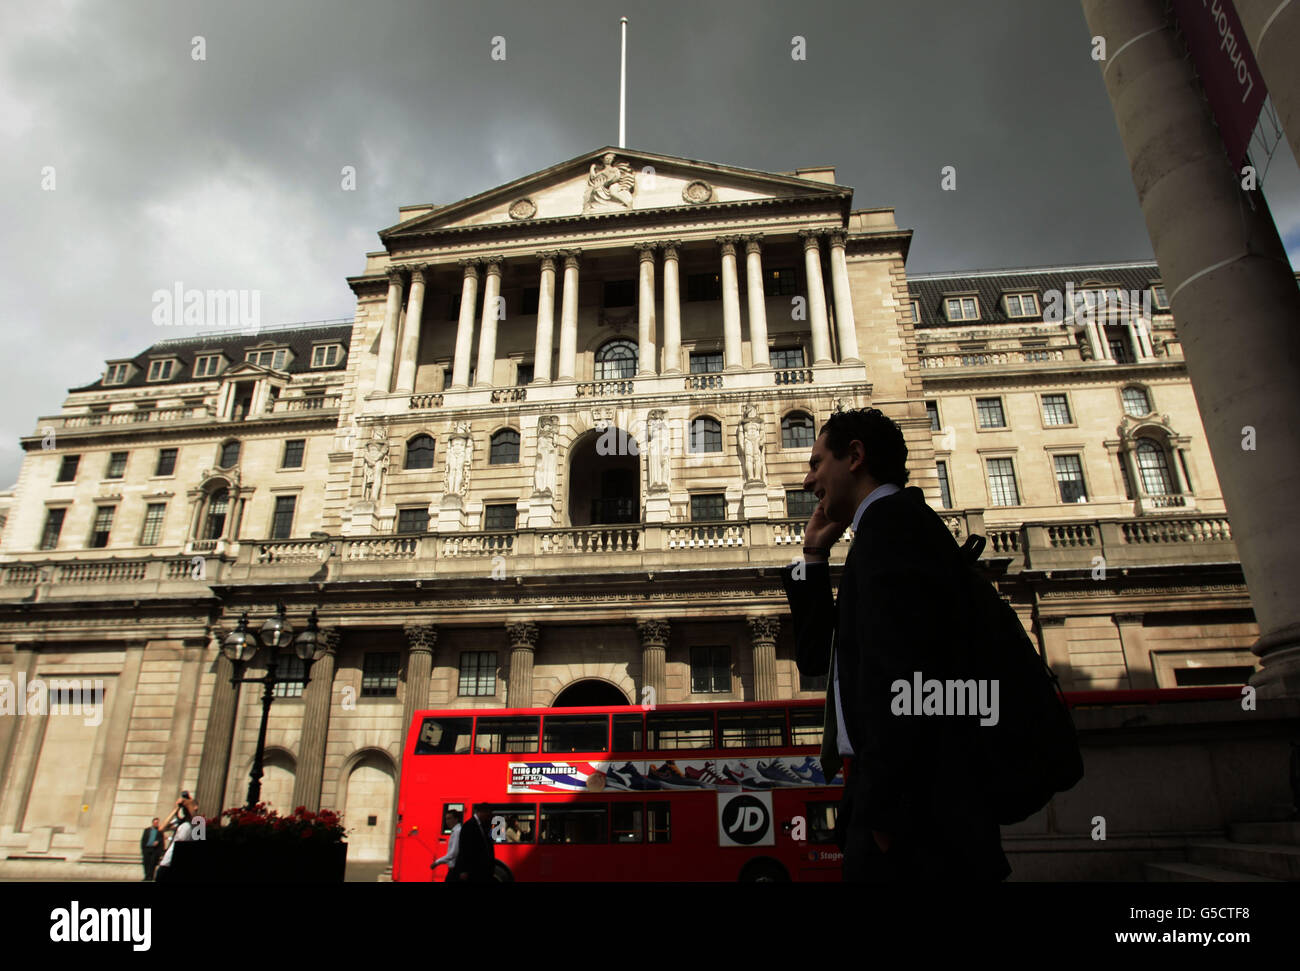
[225, 173]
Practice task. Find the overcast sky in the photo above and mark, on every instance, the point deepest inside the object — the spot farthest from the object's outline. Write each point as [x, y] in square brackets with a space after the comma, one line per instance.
[225, 172]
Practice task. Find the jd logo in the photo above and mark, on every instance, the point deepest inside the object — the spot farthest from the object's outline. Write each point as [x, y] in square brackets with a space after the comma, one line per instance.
[746, 820]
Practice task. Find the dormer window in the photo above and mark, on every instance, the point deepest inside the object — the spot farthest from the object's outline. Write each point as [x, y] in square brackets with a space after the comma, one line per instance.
[117, 373]
[1022, 305]
[326, 355]
[162, 370]
[1159, 299]
[274, 359]
[963, 308]
[207, 365]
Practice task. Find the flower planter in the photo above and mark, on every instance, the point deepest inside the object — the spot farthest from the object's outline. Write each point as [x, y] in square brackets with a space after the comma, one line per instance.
[258, 861]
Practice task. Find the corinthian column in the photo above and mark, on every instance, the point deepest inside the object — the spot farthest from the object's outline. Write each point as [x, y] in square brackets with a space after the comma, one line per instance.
[316, 700]
[848, 331]
[419, 666]
[821, 334]
[411, 338]
[569, 318]
[388, 336]
[757, 301]
[654, 646]
[762, 632]
[214, 763]
[523, 643]
[487, 334]
[645, 309]
[672, 310]
[730, 304]
[465, 325]
[545, 321]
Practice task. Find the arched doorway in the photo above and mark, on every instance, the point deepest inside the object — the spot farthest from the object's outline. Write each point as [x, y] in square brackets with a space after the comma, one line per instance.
[368, 807]
[605, 478]
[590, 693]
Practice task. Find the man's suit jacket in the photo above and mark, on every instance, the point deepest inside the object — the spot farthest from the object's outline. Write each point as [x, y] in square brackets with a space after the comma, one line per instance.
[144, 839]
[899, 612]
[476, 855]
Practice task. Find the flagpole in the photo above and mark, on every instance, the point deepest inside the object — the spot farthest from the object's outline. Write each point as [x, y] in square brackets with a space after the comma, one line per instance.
[622, 90]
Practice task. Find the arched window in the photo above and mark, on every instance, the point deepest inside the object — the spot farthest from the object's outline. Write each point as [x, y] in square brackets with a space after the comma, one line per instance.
[214, 526]
[1153, 466]
[1136, 402]
[706, 436]
[504, 448]
[229, 455]
[797, 430]
[419, 453]
[616, 359]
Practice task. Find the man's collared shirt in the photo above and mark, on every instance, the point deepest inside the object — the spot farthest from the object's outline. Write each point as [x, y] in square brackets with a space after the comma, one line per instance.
[153, 837]
[842, 735]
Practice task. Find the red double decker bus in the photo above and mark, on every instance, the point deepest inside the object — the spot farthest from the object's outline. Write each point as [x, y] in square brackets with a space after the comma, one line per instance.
[677, 792]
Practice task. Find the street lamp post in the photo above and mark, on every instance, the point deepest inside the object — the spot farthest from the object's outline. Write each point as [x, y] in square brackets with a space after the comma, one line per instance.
[241, 645]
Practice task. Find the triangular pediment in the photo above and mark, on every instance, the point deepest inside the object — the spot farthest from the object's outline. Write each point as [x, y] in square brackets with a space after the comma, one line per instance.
[596, 184]
[247, 369]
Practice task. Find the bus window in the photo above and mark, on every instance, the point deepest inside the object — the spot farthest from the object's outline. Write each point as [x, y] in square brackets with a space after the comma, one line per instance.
[657, 815]
[576, 733]
[628, 733]
[444, 736]
[806, 726]
[507, 734]
[514, 821]
[668, 730]
[626, 822]
[752, 729]
[564, 823]
[448, 807]
[821, 821]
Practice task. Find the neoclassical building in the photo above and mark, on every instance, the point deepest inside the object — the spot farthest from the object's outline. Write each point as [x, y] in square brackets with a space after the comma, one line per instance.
[557, 458]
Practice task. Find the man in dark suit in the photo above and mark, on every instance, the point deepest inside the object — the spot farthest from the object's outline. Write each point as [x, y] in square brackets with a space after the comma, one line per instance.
[909, 810]
[151, 848]
[476, 857]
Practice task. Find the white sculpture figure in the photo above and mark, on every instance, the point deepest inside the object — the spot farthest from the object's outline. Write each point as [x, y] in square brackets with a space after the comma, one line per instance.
[375, 457]
[750, 440]
[609, 184]
[544, 470]
[458, 460]
[658, 457]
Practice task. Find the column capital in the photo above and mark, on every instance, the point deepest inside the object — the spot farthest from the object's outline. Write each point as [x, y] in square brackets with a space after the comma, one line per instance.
[470, 266]
[653, 633]
[421, 637]
[764, 630]
[216, 636]
[754, 243]
[811, 239]
[549, 256]
[493, 264]
[394, 274]
[646, 251]
[838, 237]
[418, 271]
[1049, 620]
[329, 640]
[571, 258]
[728, 244]
[671, 248]
[522, 634]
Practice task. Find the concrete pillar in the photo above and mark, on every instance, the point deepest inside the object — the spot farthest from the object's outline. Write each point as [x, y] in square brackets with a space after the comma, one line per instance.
[645, 311]
[757, 301]
[487, 333]
[545, 321]
[846, 328]
[523, 644]
[1273, 30]
[1137, 661]
[24, 663]
[419, 667]
[569, 318]
[654, 647]
[465, 325]
[316, 702]
[1221, 259]
[763, 632]
[672, 309]
[730, 304]
[409, 355]
[388, 335]
[214, 763]
[821, 334]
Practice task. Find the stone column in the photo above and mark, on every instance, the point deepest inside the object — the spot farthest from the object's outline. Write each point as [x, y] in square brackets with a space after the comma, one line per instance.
[757, 301]
[1055, 649]
[214, 763]
[465, 326]
[848, 331]
[1273, 30]
[410, 353]
[654, 647]
[545, 321]
[672, 309]
[419, 667]
[821, 334]
[24, 662]
[730, 304]
[523, 644]
[763, 632]
[645, 311]
[317, 699]
[487, 333]
[569, 318]
[1134, 473]
[388, 335]
[1220, 259]
[1137, 666]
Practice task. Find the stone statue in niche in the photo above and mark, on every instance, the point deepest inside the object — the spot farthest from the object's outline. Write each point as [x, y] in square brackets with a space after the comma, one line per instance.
[750, 441]
[657, 459]
[459, 453]
[544, 469]
[374, 457]
[609, 185]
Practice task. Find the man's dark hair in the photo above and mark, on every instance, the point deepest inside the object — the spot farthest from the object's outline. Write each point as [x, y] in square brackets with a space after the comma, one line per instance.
[882, 442]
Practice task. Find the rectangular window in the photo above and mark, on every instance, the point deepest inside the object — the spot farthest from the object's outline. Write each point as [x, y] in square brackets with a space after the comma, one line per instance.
[325, 355]
[290, 676]
[207, 365]
[153, 521]
[523, 374]
[102, 527]
[629, 733]
[166, 462]
[669, 731]
[626, 822]
[821, 821]
[1022, 305]
[413, 520]
[752, 729]
[1056, 410]
[1120, 348]
[1069, 475]
[274, 359]
[703, 286]
[1002, 483]
[706, 362]
[500, 516]
[379, 678]
[945, 493]
[658, 817]
[708, 507]
[478, 674]
[53, 526]
[963, 308]
[116, 374]
[786, 358]
[620, 293]
[710, 670]
[1159, 299]
[932, 409]
[576, 733]
[160, 370]
[807, 724]
[520, 821]
[912, 311]
[282, 520]
[495, 735]
[990, 413]
[799, 503]
[566, 823]
[116, 465]
[529, 298]
[780, 282]
[293, 449]
[68, 468]
[439, 736]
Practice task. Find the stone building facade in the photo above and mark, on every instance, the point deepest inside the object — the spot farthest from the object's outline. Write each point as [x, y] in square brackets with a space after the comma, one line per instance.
[556, 458]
